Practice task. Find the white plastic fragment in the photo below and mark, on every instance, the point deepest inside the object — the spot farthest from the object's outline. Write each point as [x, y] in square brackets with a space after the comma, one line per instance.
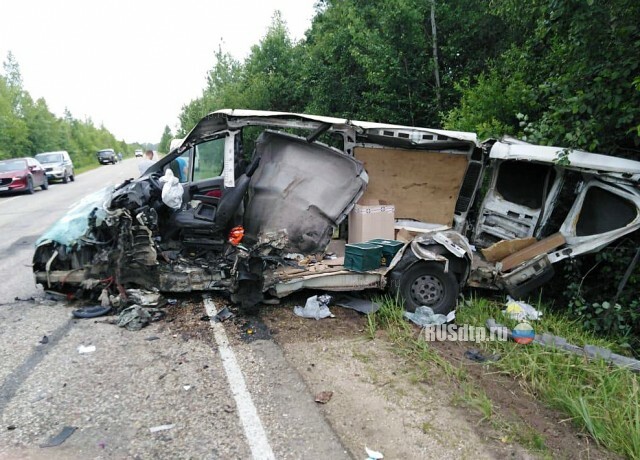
[373, 455]
[155, 429]
[316, 307]
[520, 311]
[424, 316]
[87, 349]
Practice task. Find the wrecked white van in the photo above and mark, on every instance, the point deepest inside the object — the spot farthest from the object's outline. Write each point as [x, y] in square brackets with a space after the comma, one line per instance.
[268, 193]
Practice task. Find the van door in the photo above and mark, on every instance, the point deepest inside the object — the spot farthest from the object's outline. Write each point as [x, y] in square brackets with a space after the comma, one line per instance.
[602, 213]
[520, 199]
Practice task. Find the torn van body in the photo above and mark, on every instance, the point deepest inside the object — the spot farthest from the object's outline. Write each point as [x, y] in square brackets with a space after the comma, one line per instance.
[266, 195]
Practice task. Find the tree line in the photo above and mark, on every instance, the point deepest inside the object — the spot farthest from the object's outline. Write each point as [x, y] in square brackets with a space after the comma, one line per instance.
[561, 72]
[28, 127]
[552, 72]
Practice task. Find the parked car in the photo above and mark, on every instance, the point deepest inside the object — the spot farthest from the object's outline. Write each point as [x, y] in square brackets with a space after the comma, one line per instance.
[138, 153]
[57, 165]
[107, 156]
[22, 175]
[258, 214]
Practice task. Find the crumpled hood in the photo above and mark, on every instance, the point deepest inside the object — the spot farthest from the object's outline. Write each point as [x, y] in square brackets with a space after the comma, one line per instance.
[74, 225]
[305, 188]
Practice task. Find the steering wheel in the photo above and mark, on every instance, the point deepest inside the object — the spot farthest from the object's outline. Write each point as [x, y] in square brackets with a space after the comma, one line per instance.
[154, 180]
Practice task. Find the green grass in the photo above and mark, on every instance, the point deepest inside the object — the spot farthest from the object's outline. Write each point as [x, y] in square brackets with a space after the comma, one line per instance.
[601, 399]
[409, 344]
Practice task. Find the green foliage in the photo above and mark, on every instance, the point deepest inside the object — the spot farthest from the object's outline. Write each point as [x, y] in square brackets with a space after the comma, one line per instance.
[165, 140]
[493, 105]
[361, 59]
[578, 60]
[590, 286]
[27, 127]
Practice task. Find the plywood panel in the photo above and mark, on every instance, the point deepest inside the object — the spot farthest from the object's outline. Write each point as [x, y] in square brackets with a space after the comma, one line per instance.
[421, 185]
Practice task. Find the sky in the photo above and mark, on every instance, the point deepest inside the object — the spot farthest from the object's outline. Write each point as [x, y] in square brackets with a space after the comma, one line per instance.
[132, 64]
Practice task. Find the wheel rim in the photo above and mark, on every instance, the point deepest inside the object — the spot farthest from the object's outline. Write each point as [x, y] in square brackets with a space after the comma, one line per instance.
[427, 290]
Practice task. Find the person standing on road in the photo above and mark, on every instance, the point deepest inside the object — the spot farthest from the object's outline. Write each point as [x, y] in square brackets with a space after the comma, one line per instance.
[146, 162]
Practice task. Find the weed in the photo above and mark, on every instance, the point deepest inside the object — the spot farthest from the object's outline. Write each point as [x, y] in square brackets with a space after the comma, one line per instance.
[601, 399]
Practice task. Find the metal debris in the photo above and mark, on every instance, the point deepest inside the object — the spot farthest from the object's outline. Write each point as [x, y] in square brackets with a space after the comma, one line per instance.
[323, 397]
[60, 437]
[155, 429]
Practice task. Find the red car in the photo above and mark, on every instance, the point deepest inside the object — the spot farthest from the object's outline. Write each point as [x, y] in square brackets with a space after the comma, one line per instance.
[22, 175]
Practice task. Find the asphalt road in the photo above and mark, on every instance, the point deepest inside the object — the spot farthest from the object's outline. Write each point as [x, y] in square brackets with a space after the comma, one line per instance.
[163, 392]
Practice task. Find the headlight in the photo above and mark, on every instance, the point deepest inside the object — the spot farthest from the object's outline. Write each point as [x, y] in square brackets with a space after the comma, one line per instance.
[18, 178]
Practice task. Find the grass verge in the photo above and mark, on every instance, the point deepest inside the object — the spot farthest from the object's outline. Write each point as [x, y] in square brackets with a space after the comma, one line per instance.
[409, 344]
[600, 399]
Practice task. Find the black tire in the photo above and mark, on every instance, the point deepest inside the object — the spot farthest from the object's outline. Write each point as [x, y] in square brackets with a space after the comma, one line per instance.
[72, 177]
[91, 312]
[426, 283]
[65, 178]
[45, 184]
[30, 189]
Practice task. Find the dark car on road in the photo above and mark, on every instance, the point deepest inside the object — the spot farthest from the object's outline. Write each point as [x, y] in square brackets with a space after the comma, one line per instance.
[107, 156]
[22, 175]
[57, 165]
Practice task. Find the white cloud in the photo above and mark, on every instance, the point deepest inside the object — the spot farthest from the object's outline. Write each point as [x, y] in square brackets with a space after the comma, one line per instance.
[132, 64]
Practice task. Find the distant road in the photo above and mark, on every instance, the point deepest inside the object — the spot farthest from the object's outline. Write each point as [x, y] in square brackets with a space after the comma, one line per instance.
[23, 218]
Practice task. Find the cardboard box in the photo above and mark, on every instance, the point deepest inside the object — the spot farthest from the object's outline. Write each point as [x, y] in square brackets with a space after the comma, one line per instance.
[371, 219]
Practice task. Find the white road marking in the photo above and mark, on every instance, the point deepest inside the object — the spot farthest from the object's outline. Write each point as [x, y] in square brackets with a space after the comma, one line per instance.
[9, 199]
[253, 428]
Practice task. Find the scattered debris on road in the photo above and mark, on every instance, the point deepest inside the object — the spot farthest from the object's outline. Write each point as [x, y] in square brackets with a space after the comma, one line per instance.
[60, 437]
[91, 312]
[323, 397]
[145, 298]
[360, 305]
[224, 315]
[424, 316]
[135, 317]
[86, 349]
[316, 307]
[155, 429]
[373, 455]
[44, 340]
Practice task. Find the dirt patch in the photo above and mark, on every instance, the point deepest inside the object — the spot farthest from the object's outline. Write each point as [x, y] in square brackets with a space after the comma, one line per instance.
[185, 319]
[380, 400]
[513, 403]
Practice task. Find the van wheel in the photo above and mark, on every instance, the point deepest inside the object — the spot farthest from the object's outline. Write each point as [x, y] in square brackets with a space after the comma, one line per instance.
[426, 283]
[65, 178]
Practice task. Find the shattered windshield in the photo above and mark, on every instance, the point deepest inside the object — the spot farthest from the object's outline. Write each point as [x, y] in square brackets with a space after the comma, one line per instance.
[16, 165]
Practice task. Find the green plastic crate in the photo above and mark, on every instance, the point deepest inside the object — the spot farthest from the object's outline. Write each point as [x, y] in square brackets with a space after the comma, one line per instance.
[389, 249]
[362, 257]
